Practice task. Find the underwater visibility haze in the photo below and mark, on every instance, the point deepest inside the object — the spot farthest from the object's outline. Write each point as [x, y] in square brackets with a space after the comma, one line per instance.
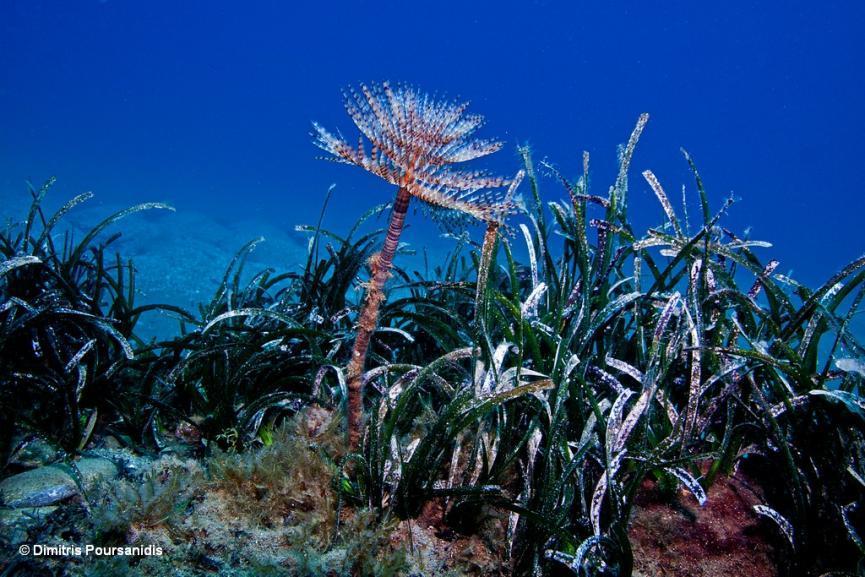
[478, 288]
[207, 106]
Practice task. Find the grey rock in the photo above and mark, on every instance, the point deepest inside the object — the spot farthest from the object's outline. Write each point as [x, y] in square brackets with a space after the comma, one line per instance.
[110, 442]
[16, 523]
[12, 516]
[52, 484]
[35, 453]
[94, 470]
[128, 463]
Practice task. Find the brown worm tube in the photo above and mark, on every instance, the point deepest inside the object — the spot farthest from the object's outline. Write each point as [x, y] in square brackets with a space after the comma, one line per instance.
[380, 265]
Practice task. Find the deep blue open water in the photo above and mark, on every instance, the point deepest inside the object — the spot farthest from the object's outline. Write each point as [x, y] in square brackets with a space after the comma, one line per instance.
[207, 106]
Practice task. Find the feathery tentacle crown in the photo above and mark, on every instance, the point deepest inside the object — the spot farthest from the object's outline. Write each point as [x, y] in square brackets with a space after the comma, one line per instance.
[413, 141]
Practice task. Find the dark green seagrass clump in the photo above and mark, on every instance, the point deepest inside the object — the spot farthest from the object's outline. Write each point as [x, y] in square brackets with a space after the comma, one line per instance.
[263, 348]
[610, 359]
[67, 315]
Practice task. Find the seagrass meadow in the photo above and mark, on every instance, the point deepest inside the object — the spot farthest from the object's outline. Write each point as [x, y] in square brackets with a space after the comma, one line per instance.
[562, 394]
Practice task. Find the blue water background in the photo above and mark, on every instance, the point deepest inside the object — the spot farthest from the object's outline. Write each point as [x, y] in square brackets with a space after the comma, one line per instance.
[207, 106]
